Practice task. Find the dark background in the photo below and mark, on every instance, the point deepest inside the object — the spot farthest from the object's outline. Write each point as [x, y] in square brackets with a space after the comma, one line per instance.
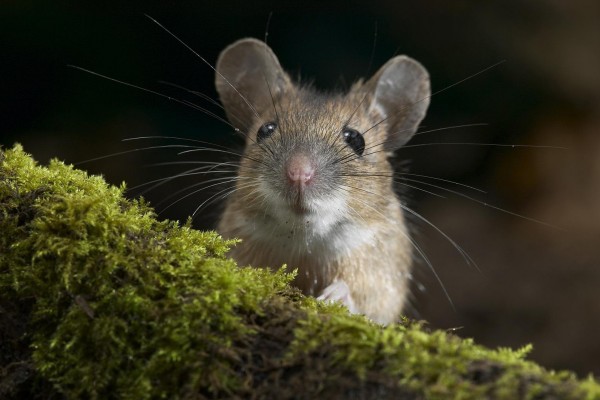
[536, 284]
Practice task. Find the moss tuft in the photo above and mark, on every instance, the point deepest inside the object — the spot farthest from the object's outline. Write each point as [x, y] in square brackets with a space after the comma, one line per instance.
[99, 299]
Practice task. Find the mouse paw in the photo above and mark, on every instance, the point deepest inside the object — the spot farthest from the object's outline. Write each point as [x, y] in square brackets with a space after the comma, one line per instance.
[339, 292]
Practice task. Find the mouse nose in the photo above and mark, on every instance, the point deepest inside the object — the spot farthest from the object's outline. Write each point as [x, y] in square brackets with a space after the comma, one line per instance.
[300, 170]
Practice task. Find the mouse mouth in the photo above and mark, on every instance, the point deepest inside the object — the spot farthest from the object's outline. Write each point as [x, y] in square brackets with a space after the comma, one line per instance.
[299, 204]
[299, 208]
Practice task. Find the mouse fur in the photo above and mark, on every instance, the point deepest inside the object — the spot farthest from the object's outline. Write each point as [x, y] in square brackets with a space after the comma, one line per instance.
[315, 188]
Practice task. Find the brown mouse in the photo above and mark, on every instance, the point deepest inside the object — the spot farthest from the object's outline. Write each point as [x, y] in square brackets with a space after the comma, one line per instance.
[314, 188]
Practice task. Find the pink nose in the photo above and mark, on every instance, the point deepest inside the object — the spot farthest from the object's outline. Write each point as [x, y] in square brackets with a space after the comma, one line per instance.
[300, 169]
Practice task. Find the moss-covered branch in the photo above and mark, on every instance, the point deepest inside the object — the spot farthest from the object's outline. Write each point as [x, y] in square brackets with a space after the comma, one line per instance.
[99, 299]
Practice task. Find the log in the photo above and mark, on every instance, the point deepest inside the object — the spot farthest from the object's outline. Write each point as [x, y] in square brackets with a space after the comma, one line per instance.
[100, 299]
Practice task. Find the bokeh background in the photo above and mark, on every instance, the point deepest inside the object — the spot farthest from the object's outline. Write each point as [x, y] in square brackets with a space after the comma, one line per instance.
[533, 283]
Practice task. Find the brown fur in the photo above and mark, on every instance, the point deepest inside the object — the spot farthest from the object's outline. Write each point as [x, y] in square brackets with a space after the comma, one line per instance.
[359, 236]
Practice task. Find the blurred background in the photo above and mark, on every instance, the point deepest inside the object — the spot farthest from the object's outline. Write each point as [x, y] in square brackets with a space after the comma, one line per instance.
[533, 283]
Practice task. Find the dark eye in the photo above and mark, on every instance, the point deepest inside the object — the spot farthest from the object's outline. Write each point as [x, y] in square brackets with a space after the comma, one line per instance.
[265, 131]
[354, 139]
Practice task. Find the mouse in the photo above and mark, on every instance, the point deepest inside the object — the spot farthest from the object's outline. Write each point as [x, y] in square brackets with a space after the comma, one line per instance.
[314, 188]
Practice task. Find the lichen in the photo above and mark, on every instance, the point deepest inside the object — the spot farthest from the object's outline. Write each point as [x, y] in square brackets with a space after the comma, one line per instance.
[100, 299]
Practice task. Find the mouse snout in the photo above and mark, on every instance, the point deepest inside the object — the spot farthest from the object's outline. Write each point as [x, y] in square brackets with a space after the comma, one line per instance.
[300, 170]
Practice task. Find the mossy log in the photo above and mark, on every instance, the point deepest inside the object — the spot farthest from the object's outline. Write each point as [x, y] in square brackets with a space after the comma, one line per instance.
[99, 299]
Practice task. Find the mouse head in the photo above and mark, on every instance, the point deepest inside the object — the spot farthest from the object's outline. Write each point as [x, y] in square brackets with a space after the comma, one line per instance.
[311, 147]
[250, 79]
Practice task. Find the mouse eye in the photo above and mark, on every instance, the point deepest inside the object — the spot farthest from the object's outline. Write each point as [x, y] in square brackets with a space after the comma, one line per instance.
[354, 139]
[265, 131]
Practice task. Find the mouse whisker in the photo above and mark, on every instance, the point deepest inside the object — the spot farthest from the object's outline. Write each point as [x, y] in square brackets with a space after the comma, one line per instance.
[129, 139]
[372, 57]
[200, 149]
[170, 98]
[483, 203]
[422, 190]
[222, 194]
[446, 128]
[253, 196]
[463, 253]
[403, 109]
[119, 153]
[399, 174]
[352, 157]
[208, 164]
[362, 100]
[192, 172]
[207, 63]
[356, 213]
[468, 259]
[269, 87]
[415, 245]
[204, 185]
[229, 180]
[212, 114]
[513, 146]
[206, 98]
[372, 175]
[194, 92]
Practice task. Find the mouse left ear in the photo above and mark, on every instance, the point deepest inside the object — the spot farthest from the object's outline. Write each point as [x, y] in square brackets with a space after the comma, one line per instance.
[401, 94]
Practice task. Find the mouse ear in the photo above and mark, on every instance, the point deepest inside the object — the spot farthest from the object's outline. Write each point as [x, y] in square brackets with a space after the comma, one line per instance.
[400, 96]
[248, 78]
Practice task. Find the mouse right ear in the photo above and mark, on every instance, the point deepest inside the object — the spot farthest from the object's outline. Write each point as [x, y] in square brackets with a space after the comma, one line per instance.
[248, 78]
[401, 94]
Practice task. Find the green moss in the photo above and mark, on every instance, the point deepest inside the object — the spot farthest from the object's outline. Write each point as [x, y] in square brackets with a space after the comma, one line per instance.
[99, 299]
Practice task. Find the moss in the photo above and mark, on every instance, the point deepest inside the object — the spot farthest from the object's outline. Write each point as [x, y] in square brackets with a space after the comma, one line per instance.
[99, 299]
